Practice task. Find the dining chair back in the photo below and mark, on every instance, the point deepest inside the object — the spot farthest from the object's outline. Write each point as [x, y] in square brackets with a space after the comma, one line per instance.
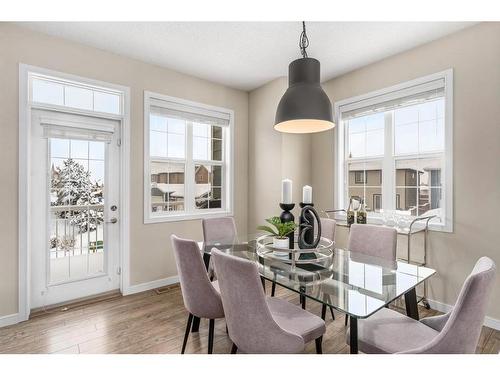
[373, 240]
[460, 328]
[456, 332]
[201, 298]
[219, 229]
[328, 228]
[249, 320]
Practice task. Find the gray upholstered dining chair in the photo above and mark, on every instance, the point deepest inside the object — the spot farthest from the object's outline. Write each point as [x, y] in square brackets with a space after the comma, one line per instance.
[456, 332]
[219, 229]
[260, 324]
[328, 227]
[373, 240]
[201, 296]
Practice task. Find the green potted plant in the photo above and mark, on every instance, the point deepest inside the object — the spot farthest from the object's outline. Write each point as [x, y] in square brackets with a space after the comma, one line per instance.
[279, 231]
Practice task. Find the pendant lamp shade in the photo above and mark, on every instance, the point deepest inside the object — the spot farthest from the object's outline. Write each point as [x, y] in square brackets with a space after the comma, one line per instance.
[305, 107]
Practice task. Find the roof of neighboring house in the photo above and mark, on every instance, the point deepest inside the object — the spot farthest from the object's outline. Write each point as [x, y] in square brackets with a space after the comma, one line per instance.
[162, 167]
[177, 190]
[200, 168]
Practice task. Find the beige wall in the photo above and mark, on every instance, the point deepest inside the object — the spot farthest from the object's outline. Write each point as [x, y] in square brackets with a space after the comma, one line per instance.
[273, 156]
[151, 257]
[474, 54]
[264, 157]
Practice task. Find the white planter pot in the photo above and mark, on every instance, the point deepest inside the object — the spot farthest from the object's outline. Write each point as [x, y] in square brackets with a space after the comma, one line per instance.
[280, 242]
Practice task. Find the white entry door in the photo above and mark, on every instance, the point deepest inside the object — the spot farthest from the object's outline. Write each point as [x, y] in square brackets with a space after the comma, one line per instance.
[74, 191]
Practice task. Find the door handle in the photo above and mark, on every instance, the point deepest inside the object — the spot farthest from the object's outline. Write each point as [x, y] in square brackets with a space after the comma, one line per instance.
[113, 220]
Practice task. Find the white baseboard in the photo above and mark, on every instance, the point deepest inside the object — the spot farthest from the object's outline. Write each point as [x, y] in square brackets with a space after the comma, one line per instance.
[444, 308]
[132, 289]
[8, 320]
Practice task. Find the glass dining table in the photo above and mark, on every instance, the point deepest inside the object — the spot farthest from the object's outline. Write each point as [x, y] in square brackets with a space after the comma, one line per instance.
[353, 283]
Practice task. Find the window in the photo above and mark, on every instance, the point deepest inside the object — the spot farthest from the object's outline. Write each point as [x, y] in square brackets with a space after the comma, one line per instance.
[359, 177]
[188, 148]
[377, 202]
[395, 151]
[53, 91]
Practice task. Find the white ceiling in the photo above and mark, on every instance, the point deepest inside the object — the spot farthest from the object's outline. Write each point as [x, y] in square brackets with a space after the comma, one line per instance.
[245, 55]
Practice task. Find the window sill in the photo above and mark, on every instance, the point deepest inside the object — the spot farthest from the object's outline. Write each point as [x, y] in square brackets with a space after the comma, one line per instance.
[186, 217]
[417, 227]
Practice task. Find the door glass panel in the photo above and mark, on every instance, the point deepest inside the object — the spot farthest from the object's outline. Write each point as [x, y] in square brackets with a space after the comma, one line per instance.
[76, 244]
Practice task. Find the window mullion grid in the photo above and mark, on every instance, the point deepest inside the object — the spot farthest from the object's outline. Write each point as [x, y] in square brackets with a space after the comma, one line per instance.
[189, 180]
[345, 192]
[225, 168]
[388, 164]
[213, 163]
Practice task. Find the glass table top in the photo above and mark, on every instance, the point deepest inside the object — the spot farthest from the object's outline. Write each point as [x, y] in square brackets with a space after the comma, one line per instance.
[354, 283]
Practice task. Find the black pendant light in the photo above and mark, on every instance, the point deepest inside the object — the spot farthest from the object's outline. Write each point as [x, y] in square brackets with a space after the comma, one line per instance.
[305, 107]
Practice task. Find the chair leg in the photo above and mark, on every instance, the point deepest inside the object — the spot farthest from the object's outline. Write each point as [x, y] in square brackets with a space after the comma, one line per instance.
[346, 319]
[188, 328]
[263, 281]
[234, 349]
[196, 324]
[211, 325]
[303, 301]
[331, 312]
[323, 310]
[273, 289]
[319, 346]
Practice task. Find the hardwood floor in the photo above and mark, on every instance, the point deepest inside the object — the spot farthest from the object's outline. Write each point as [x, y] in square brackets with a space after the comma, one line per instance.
[154, 323]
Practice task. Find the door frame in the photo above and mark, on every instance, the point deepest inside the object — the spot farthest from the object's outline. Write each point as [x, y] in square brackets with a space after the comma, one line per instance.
[24, 248]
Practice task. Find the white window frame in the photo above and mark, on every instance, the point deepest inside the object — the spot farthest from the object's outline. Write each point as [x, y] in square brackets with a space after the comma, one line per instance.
[388, 187]
[190, 212]
[67, 80]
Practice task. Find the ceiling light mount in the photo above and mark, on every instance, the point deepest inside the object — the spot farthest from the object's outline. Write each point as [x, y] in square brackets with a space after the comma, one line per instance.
[305, 107]
[303, 41]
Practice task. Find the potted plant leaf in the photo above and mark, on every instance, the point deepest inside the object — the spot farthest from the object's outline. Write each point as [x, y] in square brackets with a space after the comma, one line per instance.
[279, 231]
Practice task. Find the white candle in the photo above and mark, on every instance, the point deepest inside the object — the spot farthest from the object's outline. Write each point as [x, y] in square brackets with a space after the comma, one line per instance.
[307, 194]
[286, 191]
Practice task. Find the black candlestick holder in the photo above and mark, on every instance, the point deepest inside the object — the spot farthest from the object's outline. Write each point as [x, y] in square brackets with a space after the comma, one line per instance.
[287, 216]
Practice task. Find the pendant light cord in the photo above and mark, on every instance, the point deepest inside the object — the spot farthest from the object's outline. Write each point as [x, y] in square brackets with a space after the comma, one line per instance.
[303, 41]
